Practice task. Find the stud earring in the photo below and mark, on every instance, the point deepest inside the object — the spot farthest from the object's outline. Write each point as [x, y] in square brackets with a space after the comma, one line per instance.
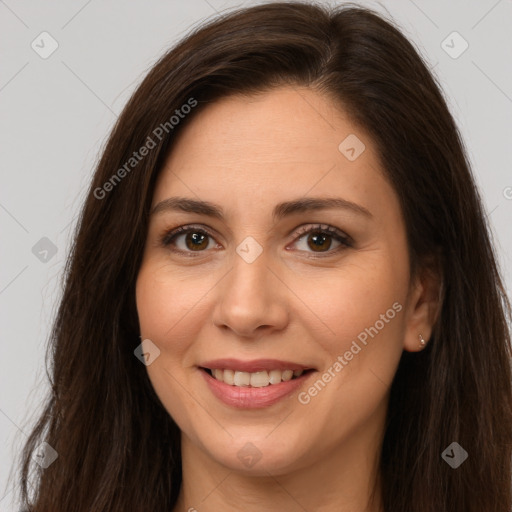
[422, 341]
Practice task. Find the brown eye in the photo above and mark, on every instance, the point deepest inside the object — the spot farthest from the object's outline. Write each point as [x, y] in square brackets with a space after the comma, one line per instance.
[196, 241]
[319, 239]
[187, 239]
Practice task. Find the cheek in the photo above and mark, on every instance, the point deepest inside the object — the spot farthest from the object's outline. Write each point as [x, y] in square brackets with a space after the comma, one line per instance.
[364, 311]
[163, 304]
[358, 297]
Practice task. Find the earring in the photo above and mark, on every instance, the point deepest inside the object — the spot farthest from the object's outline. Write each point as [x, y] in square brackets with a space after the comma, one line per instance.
[422, 341]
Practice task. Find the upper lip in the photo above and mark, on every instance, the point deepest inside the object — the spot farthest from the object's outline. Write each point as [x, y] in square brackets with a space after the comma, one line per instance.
[256, 365]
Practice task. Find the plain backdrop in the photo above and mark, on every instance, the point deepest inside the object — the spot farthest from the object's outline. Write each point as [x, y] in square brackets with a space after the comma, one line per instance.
[56, 110]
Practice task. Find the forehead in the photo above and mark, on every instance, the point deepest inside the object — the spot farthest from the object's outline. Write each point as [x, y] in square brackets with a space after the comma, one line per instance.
[283, 124]
[288, 141]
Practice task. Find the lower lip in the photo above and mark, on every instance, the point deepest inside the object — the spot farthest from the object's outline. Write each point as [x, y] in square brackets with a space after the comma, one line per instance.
[245, 397]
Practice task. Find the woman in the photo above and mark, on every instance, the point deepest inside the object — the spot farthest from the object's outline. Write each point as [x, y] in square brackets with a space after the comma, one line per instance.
[282, 293]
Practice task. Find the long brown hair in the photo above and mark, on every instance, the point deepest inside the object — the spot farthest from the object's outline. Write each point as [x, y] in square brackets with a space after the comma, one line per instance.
[118, 447]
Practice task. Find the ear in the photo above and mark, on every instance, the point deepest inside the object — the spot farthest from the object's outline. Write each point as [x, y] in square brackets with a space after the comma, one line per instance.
[424, 304]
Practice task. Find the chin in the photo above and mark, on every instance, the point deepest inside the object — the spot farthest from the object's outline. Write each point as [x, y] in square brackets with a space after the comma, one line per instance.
[256, 454]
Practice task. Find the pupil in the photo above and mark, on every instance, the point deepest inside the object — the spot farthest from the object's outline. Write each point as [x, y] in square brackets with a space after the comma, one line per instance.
[319, 240]
[197, 239]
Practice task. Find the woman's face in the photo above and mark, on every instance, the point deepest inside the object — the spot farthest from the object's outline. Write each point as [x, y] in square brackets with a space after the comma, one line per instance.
[257, 288]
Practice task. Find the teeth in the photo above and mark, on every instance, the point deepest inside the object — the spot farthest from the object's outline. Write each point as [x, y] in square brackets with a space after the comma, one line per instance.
[287, 375]
[229, 376]
[242, 378]
[256, 379]
[259, 379]
[275, 376]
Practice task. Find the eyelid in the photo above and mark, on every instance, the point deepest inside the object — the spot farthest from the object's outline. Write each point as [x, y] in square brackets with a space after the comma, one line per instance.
[169, 235]
[342, 238]
[321, 228]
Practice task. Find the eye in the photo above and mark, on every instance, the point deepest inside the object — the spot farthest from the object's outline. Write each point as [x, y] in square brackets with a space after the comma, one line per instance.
[193, 239]
[318, 238]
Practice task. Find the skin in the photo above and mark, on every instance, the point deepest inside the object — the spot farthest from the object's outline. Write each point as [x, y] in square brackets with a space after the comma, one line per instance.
[247, 154]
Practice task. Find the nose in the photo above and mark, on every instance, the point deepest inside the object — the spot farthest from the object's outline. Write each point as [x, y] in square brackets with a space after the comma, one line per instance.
[251, 300]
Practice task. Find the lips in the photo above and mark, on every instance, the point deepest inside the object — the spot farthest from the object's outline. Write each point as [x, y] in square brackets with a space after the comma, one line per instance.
[256, 365]
[253, 384]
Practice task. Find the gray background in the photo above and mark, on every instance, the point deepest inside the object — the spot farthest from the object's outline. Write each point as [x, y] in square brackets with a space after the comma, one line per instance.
[55, 114]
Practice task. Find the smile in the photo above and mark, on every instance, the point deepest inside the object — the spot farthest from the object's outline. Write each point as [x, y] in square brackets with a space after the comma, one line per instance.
[259, 379]
[253, 384]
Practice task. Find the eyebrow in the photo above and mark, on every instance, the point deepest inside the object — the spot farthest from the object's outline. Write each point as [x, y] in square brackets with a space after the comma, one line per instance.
[280, 211]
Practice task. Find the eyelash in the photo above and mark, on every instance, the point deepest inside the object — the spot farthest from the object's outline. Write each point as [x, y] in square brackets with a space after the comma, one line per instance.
[169, 237]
